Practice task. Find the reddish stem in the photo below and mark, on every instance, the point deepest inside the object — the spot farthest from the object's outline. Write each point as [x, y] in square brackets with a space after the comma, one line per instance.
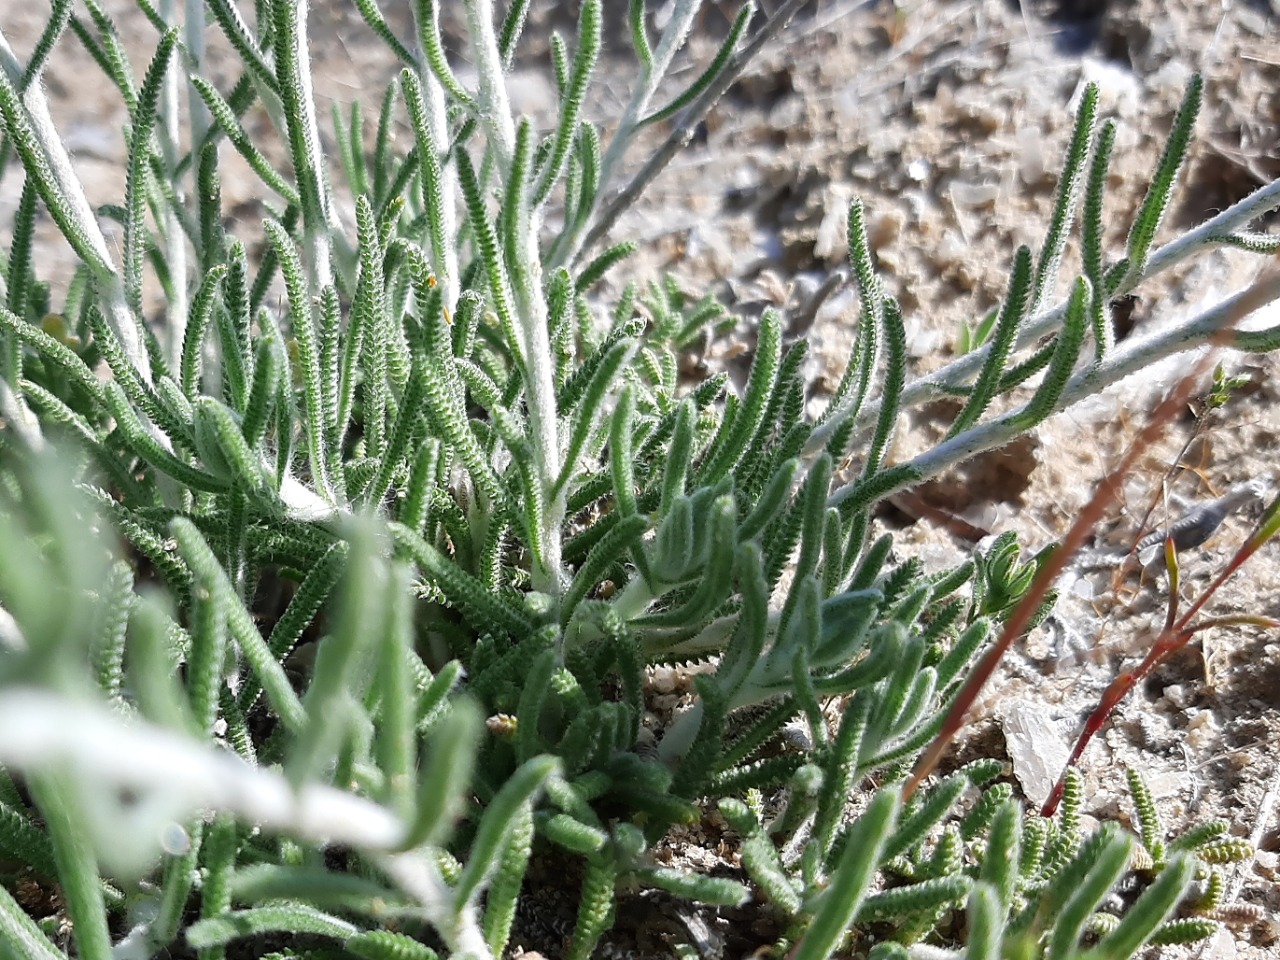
[1019, 620]
[1257, 295]
[1116, 691]
[1172, 638]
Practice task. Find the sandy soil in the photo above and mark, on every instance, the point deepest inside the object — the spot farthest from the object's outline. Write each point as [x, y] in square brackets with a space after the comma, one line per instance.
[949, 120]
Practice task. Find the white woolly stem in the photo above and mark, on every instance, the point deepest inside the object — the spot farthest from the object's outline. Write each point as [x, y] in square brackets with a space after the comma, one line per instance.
[1211, 328]
[43, 732]
[962, 370]
[110, 285]
[494, 107]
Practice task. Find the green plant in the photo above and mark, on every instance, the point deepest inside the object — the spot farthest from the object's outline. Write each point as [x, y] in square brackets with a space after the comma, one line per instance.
[354, 598]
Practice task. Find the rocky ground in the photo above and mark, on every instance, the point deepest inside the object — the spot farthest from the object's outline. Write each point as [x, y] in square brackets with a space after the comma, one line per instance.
[949, 120]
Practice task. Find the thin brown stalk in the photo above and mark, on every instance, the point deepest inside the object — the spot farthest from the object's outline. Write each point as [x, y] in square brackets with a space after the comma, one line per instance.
[1168, 409]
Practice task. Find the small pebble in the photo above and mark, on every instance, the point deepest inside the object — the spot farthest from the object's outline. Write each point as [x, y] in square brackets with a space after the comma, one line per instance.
[1202, 730]
[663, 679]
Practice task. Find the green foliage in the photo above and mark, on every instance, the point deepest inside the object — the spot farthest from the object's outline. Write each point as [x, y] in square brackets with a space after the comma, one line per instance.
[326, 616]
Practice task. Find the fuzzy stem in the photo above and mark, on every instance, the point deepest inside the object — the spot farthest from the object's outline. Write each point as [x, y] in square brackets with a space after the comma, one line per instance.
[24, 423]
[679, 138]
[43, 732]
[115, 304]
[193, 54]
[961, 371]
[169, 130]
[672, 40]
[530, 305]
[1205, 329]
[293, 67]
[543, 418]
[494, 108]
[417, 874]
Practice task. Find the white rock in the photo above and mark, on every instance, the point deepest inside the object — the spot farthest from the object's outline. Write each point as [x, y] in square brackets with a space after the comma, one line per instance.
[1038, 751]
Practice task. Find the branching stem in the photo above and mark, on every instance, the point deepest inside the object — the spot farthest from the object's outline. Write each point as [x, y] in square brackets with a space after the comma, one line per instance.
[960, 371]
[1208, 328]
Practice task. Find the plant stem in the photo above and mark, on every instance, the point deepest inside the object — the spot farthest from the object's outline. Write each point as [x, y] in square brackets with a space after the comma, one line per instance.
[673, 38]
[1049, 571]
[41, 732]
[530, 303]
[55, 794]
[169, 130]
[677, 140]
[67, 193]
[293, 67]
[960, 371]
[493, 107]
[1205, 329]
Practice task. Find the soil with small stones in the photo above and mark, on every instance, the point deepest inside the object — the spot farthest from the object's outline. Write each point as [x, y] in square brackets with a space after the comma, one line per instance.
[948, 121]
